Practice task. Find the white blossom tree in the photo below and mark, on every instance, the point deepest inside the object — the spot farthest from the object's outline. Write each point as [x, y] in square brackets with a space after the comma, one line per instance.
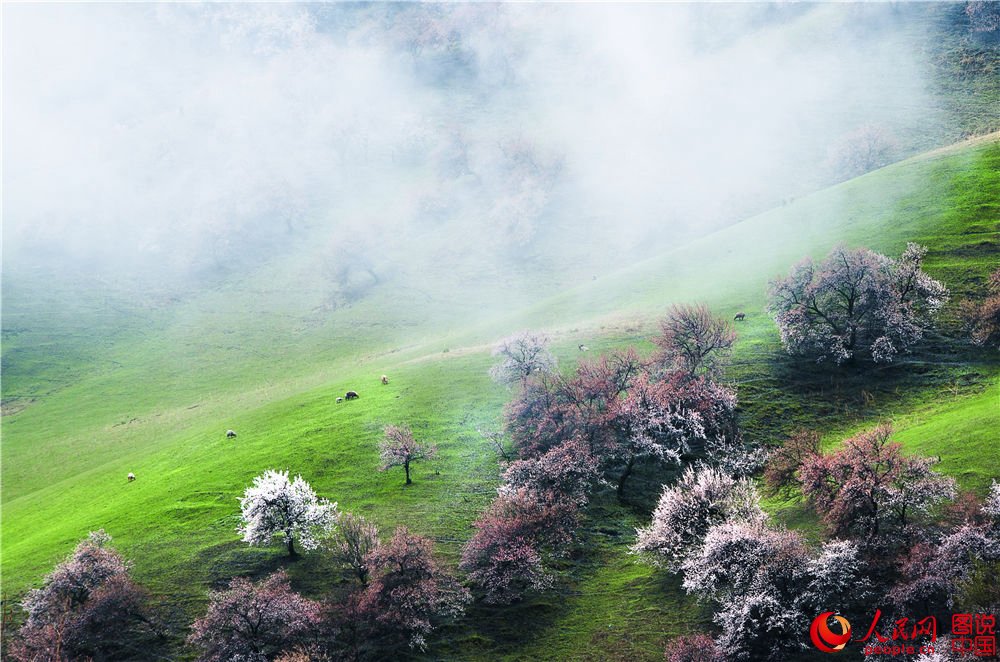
[522, 355]
[837, 579]
[652, 423]
[856, 303]
[275, 505]
[991, 507]
[865, 149]
[755, 574]
[702, 498]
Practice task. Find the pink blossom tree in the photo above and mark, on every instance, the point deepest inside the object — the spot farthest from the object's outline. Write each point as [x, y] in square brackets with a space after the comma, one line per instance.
[552, 409]
[781, 472]
[623, 414]
[506, 556]
[568, 470]
[932, 573]
[409, 594]
[869, 484]
[255, 622]
[400, 449]
[88, 606]
[693, 648]
[984, 15]
[504, 559]
[856, 303]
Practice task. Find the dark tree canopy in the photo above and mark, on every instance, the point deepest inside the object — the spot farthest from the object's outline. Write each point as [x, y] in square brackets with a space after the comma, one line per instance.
[982, 317]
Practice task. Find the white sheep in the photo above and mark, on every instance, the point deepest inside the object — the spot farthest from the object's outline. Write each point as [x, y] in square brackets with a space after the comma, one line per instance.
[131, 476]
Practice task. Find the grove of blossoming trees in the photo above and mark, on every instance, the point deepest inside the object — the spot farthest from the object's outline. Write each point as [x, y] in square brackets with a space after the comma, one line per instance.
[766, 584]
[572, 433]
[897, 537]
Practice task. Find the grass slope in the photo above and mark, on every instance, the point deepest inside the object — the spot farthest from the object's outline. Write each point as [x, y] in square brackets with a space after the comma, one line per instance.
[163, 412]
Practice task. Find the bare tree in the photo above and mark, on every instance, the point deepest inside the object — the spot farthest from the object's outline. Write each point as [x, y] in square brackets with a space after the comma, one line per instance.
[865, 149]
[694, 341]
[351, 543]
[523, 354]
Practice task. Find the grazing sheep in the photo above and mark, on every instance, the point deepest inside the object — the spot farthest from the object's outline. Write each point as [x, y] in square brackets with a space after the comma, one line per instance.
[131, 476]
[385, 380]
[230, 434]
[583, 348]
[351, 395]
[740, 317]
[340, 399]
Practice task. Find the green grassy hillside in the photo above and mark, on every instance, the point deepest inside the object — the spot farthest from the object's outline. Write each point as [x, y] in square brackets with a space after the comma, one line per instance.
[261, 356]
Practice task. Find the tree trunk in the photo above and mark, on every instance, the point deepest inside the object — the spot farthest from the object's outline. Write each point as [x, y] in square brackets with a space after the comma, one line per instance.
[625, 475]
[291, 545]
[406, 465]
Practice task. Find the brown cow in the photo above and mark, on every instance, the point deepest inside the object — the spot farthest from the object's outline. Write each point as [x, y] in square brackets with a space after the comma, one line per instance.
[351, 395]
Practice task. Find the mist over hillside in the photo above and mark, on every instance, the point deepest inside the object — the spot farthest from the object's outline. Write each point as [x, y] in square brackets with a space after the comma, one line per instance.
[177, 145]
[302, 169]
